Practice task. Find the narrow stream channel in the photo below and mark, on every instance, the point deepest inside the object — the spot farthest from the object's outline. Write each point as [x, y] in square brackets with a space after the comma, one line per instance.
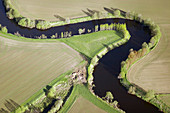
[106, 72]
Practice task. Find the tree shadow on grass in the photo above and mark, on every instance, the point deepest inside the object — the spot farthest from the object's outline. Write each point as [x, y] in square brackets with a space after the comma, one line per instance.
[46, 89]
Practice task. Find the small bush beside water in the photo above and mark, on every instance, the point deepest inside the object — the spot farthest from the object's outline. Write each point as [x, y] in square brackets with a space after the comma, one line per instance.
[3, 29]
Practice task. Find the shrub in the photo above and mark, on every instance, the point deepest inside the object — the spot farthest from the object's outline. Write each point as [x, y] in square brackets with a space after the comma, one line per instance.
[41, 24]
[9, 14]
[53, 37]
[7, 4]
[15, 13]
[131, 90]
[108, 97]
[81, 31]
[43, 36]
[67, 20]
[150, 94]
[22, 22]
[56, 106]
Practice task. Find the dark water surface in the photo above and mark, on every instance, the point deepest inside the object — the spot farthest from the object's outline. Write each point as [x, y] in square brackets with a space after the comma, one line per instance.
[105, 74]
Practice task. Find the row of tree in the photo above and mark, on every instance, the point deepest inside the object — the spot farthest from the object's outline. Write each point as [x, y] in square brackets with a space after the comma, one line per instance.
[13, 13]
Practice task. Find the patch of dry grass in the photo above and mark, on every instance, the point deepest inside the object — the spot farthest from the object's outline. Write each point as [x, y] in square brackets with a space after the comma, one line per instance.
[26, 67]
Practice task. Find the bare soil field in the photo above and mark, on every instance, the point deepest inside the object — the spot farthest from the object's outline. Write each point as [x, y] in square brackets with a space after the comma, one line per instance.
[26, 67]
[152, 72]
[46, 9]
[84, 106]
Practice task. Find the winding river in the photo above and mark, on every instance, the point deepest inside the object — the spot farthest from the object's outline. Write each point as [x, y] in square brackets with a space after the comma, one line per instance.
[106, 72]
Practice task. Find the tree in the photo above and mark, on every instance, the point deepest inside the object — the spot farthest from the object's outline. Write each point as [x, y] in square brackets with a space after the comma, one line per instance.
[62, 34]
[131, 90]
[150, 94]
[114, 104]
[117, 12]
[109, 97]
[43, 36]
[53, 37]
[67, 20]
[15, 13]
[145, 46]
[56, 106]
[50, 93]
[41, 24]
[22, 22]
[9, 14]
[4, 29]
[81, 31]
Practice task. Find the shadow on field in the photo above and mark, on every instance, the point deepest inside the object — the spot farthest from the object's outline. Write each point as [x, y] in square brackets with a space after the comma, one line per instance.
[11, 105]
[59, 17]
[111, 10]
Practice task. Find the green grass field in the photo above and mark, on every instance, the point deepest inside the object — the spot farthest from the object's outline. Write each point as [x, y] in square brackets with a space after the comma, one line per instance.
[84, 106]
[26, 67]
[90, 44]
